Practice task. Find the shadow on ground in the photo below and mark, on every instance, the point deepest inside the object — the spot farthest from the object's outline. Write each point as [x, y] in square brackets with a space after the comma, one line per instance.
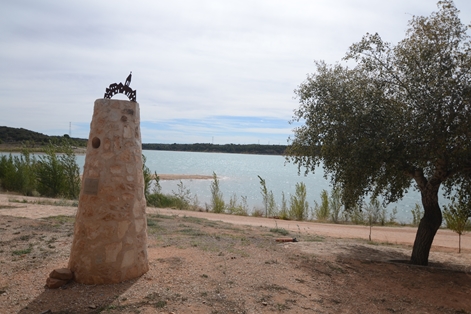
[91, 298]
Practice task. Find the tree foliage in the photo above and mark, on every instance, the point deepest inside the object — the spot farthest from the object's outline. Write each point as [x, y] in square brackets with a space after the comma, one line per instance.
[399, 117]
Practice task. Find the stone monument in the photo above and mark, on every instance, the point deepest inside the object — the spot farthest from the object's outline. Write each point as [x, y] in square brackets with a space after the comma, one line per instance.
[110, 235]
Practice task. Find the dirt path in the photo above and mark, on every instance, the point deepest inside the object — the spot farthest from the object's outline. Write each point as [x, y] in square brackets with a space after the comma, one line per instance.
[445, 240]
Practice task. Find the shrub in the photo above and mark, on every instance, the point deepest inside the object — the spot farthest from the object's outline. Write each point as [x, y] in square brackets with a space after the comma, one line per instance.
[417, 214]
[58, 174]
[335, 205]
[52, 175]
[268, 199]
[71, 188]
[456, 216]
[374, 212]
[17, 173]
[281, 231]
[147, 176]
[284, 211]
[356, 215]
[217, 202]
[257, 212]
[322, 212]
[236, 208]
[162, 200]
[182, 196]
[298, 205]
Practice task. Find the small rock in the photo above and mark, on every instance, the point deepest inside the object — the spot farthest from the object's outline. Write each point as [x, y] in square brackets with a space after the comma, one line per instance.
[92, 306]
[265, 303]
[52, 283]
[62, 274]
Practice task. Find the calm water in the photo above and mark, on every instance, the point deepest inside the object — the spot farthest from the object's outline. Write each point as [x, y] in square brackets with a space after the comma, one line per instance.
[238, 175]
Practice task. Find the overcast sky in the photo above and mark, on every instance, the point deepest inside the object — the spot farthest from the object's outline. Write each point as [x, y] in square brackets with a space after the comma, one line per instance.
[204, 71]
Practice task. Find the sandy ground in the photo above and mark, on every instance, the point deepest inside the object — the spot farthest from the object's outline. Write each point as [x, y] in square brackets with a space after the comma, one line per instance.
[212, 263]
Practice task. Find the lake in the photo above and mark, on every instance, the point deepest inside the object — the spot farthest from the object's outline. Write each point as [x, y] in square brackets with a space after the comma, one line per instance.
[238, 174]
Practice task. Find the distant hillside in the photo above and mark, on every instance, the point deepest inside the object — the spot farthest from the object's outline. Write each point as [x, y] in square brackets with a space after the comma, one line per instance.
[18, 137]
[15, 136]
[215, 148]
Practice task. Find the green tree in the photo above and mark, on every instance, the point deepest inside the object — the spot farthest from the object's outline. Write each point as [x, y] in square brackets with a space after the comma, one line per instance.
[399, 117]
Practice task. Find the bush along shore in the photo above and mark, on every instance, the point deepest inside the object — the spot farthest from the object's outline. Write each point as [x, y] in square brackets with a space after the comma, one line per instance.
[296, 207]
[54, 174]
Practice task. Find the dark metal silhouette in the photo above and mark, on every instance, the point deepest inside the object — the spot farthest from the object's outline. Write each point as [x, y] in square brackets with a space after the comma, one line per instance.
[121, 89]
[128, 79]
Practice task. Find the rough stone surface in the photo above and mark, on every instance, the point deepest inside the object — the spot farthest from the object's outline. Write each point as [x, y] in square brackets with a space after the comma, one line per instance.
[62, 274]
[110, 236]
[52, 283]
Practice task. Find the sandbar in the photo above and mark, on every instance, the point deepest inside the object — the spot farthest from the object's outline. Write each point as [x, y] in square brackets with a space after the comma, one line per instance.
[165, 177]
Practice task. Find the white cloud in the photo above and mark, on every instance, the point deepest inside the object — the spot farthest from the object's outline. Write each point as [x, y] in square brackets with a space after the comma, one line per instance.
[190, 59]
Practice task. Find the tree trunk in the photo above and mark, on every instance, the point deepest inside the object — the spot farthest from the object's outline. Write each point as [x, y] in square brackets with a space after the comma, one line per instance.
[428, 226]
